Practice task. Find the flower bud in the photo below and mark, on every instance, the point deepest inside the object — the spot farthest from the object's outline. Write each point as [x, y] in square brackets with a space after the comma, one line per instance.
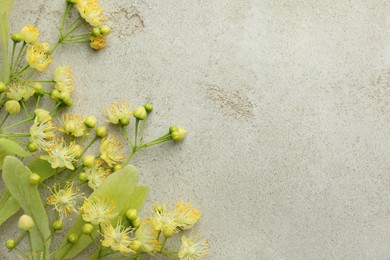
[168, 232]
[101, 131]
[136, 222]
[3, 87]
[10, 244]
[55, 95]
[105, 30]
[173, 129]
[39, 90]
[42, 115]
[96, 32]
[32, 146]
[136, 246]
[98, 43]
[58, 225]
[131, 214]
[124, 121]
[179, 134]
[68, 102]
[140, 113]
[90, 122]
[12, 107]
[78, 150]
[35, 179]
[16, 37]
[64, 96]
[87, 229]
[83, 177]
[29, 34]
[148, 108]
[69, 127]
[25, 222]
[73, 238]
[89, 161]
[117, 167]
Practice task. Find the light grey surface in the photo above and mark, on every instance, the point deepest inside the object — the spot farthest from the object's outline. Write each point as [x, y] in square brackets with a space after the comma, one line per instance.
[287, 107]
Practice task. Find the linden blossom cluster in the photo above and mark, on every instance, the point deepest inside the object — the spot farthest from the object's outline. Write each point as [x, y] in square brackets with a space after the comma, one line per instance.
[58, 159]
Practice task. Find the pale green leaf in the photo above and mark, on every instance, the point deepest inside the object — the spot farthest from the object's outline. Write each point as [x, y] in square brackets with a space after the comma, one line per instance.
[9, 147]
[5, 9]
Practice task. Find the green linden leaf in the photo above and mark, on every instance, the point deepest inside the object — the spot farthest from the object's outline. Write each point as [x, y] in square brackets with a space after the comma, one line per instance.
[17, 180]
[8, 205]
[121, 188]
[5, 10]
[9, 147]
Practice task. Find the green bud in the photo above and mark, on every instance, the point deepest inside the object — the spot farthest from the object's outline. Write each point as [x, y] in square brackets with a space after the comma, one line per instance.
[131, 214]
[136, 246]
[3, 87]
[179, 134]
[88, 229]
[12, 107]
[173, 129]
[57, 225]
[78, 150]
[42, 115]
[136, 222]
[35, 179]
[90, 122]
[124, 121]
[65, 97]
[140, 113]
[39, 90]
[69, 127]
[25, 222]
[101, 131]
[117, 167]
[55, 95]
[105, 30]
[10, 244]
[96, 32]
[32, 146]
[83, 177]
[167, 232]
[89, 161]
[16, 37]
[73, 238]
[68, 102]
[148, 107]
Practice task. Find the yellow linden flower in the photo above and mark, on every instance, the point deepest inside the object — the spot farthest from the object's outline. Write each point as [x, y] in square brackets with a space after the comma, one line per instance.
[42, 133]
[29, 33]
[118, 237]
[97, 210]
[98, 43]
[187, 216]
[73, 124]
[62, 155]
[193, 248]
[111, 150]
[91, 11]
[96, 176]
[37, 56]
[19, 92]
[64, 200]
[63, 77]
[165, 221]
[146, 239]
[118, 111]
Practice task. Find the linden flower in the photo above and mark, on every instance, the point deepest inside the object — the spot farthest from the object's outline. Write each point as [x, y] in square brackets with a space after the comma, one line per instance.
[193, 248]
[37, 56]
[187, 216]
[62, 155]
[111, 150]
[19, 92]
[29, 33]
[91, 11]
[98, 43]
[73, 124]
[146, 239]
[165, 221]
[41, 133]
[118, 111]
[97, 210]
[96, 176]
[118, 237]
[64, 200]
[63, 77]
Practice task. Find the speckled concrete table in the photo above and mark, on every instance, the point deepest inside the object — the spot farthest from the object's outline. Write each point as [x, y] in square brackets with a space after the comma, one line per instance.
[287, 104]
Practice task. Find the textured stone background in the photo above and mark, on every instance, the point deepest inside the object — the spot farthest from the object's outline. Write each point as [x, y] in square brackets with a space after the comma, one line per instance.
[287, 106]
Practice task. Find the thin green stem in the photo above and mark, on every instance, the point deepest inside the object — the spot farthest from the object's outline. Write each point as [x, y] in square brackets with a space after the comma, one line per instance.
[38, 100]
[63, 19]
[136, 132]
[126, 135]
[89, 145]
[18, 58]
[48, 81]
[30, 244]
[12, 55]
[55, 108]
[18, 123]
[163, 243]
[5, 118]
[21, 252]
[25, 109]
[75, 41]
[142, 131]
